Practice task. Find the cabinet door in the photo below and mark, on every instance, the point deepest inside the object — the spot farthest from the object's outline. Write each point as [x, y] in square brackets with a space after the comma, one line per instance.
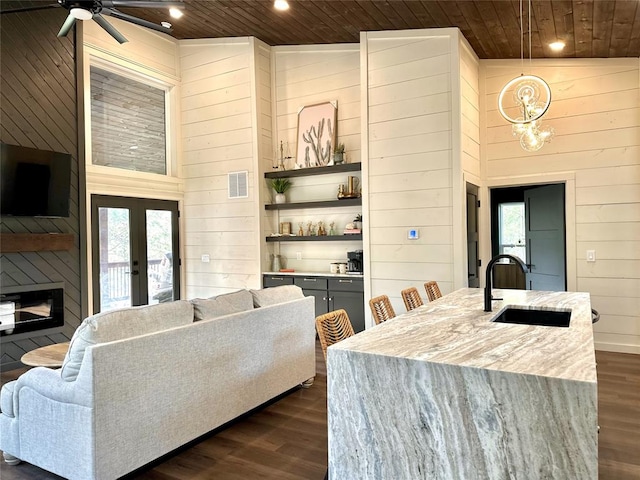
[322, 300]
[353, 303]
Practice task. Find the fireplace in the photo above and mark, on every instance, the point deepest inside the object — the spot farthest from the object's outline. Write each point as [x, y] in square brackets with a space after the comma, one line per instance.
[31, 308]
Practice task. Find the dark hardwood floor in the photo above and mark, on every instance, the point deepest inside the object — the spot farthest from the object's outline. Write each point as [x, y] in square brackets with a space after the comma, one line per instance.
[288, 439]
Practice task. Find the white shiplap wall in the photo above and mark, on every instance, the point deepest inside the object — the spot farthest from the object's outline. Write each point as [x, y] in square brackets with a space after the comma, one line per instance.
[150, 50]
[219, 135]
[468, 168]
[307, 75]
[410, 150]
[151, 57]
[596, 114]
[470, 110]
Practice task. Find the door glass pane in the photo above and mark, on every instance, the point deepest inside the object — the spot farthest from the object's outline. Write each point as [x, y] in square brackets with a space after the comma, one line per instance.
[159, 256]
[115, 258]
[512, 229]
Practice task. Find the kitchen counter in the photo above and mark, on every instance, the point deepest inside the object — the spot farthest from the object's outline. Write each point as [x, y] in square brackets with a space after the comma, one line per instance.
[317, 274]
[443, 392]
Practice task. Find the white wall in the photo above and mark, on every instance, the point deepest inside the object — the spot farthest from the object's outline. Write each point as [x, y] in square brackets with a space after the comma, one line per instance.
[410, 149]
[307, 75]
[219, 136]
[595, 111]
[153, 58]
[466, 122]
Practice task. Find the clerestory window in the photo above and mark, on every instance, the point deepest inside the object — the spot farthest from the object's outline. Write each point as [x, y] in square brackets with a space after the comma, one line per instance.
[128, 123]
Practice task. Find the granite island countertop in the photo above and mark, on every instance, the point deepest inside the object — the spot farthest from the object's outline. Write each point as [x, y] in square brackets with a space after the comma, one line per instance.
[456, 330]
[442, 392]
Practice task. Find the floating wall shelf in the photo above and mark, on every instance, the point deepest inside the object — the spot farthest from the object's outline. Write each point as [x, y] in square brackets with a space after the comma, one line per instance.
[346, 202]
[316, 238]
[307, 172]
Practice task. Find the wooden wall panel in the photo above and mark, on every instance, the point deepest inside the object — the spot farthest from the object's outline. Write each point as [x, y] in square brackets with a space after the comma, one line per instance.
[306, 76]
[38, 110]
[410, 162]
[596, 114]
[219, 106]
[152, 50]
[470, 110]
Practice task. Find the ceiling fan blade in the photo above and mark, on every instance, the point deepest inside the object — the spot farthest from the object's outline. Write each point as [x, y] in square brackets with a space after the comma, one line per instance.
[29, 9]
[99, 19]
[67, 26]
[142, 4]
[112, 12]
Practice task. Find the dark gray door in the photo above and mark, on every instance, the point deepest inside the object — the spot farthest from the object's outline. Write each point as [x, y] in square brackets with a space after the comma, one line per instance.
[545, 238]
[472, 236]
[135, 252]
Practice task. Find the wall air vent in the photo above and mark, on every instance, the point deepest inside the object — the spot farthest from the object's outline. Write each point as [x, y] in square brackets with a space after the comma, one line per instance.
[238, 185]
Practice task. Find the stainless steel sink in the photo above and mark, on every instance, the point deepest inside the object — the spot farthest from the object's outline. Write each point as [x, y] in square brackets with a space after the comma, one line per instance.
[525, 316]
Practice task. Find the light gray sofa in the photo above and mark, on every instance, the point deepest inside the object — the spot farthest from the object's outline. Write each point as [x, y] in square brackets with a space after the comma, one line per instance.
[140, 382]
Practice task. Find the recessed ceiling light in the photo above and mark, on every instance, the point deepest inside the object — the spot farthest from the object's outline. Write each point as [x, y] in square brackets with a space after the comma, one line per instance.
[165, 24]
[281, 5]
[556, 46]
[175, 12]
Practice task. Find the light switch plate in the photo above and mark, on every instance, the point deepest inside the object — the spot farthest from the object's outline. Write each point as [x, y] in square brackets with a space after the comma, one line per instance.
[591, 255]
[205, 258]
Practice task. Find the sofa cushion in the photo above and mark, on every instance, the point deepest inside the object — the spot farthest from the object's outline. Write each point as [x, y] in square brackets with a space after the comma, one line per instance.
[225, 304]
[6, 398]
[119, 324]
[275, 295]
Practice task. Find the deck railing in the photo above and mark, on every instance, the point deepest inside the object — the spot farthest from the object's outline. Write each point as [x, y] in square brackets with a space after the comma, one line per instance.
[116, 280]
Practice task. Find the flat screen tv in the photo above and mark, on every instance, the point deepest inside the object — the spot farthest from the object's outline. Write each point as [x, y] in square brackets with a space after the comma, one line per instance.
[34, 183]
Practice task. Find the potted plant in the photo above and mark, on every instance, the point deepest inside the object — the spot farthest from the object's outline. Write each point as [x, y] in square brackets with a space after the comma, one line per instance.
[281, 185]
[338, 154]
[357, 222]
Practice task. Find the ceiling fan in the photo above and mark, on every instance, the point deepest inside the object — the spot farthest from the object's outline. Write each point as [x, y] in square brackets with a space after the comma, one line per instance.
[95, 9]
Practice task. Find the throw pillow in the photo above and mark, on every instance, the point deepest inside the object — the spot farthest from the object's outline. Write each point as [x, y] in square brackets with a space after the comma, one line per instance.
[206, 309]
[275, 295]
[118, 324]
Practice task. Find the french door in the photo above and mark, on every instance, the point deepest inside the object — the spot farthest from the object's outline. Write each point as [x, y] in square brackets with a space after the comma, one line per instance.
[135, 251]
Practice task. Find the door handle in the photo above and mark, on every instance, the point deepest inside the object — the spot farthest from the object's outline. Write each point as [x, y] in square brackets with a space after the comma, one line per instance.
[530, 265]
[345, 281]
[135, 272]
[310, 279]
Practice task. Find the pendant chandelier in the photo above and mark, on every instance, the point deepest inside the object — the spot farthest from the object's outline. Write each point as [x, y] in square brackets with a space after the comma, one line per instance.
[531, 97]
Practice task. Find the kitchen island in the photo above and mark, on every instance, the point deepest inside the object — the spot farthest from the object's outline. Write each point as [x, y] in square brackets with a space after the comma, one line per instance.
[443, 392]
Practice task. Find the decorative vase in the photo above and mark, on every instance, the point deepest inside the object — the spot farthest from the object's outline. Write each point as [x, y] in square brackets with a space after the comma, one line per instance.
[280, 198]
[338, 158]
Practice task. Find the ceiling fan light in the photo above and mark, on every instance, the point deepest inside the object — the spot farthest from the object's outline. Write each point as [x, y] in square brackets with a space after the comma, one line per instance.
[281, 5]
[175, 12]
[81, 14]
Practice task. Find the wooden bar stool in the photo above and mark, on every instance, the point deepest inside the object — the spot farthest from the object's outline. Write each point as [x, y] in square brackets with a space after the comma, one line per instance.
[411, 298]
[333, 327]
[381, 309]
[433, 290]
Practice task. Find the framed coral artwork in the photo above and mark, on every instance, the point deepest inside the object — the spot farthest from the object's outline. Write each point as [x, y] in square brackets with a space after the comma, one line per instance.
[316, 136]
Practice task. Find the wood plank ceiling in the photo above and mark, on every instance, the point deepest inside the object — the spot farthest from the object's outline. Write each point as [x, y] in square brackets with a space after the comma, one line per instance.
[590, 28]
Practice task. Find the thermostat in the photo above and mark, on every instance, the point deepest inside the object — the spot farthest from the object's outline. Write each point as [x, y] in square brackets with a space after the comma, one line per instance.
[413, 234]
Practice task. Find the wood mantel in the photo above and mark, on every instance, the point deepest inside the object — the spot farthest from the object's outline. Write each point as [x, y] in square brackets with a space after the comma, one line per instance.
[35, 242]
